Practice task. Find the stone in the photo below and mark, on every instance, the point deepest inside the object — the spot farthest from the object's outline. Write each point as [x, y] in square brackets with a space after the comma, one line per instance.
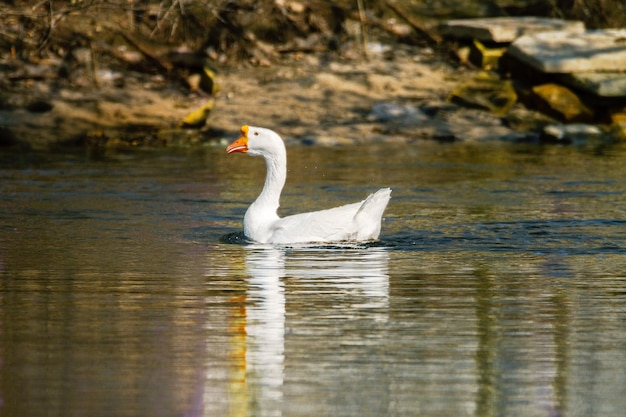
[486, 91]
[567, 52]
[560, 102]
[7, 138]
[603, 84]
[618, 122]
[619, 117]
[39, 106]
[506, 29]
[392, 112]
[576, 133]
[485, 58]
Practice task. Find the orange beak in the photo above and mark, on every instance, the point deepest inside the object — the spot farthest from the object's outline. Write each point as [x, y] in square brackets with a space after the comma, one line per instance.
[241, 144]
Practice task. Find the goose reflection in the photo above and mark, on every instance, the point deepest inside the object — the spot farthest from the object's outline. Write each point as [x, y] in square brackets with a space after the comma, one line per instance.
[265, 327]
[360, 272]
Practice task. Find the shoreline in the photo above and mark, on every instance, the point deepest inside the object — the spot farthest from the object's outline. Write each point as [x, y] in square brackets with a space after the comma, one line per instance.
[399, 94]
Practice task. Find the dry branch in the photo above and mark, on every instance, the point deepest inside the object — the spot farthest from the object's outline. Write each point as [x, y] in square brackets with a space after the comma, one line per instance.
[431, 38]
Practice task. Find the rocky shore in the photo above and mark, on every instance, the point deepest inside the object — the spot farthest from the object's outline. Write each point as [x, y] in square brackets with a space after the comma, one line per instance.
[399, 94]
[379, 90]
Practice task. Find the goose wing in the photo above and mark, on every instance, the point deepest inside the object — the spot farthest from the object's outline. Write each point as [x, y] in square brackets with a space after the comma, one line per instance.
[356, 221]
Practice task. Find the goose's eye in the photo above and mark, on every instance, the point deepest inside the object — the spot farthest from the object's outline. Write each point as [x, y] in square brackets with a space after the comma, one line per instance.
[256, 133]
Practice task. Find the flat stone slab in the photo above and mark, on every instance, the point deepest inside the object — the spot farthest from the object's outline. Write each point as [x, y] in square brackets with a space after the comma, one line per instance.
[611, 84]
[567, 52]
[506, 29]
[572, 133]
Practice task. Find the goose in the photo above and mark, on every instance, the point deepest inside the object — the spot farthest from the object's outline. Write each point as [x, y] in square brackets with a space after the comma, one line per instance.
[354, 222]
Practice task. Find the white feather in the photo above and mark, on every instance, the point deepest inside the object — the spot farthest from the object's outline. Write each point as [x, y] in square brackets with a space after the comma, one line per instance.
[352, 222]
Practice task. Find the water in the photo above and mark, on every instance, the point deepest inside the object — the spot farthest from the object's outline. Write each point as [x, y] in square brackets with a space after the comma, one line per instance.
[498, 287]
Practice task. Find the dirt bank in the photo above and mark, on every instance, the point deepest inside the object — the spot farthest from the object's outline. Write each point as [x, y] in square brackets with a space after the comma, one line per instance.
[69, 77]
[400, 93]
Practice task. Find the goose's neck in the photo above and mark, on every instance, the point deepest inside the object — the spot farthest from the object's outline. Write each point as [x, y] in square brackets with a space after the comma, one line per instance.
[274, 181]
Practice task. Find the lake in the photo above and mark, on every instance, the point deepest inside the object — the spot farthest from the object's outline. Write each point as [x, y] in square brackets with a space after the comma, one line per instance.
[498, 286]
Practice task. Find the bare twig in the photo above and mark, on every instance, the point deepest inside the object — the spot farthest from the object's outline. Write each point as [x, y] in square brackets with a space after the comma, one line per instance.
[363, 29]
[131, 14]
[157, 25]
[48, 33]
[94, 64]
[137, 44]
[431, 38]
[169, 10]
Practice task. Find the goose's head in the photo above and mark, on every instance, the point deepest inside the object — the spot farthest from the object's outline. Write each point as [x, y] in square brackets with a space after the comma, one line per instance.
[257, 141]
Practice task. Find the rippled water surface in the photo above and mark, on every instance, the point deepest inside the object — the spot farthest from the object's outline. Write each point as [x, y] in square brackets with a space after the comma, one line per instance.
[498, 287]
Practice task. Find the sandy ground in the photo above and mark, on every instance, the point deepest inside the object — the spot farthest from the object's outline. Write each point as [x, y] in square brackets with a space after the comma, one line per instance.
[404, 98]
[328, 102]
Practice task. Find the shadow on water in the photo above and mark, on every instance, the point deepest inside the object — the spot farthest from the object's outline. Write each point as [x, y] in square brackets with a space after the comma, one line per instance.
[239, 238]
[235, 238]
[573, 237]
[570, 237]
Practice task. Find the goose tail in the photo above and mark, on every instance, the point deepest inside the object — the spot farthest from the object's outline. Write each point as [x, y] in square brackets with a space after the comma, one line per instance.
[369, 215]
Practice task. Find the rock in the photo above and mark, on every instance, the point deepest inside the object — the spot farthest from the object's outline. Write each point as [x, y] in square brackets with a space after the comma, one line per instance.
[619, 117]
[485, 58]
[193, 81]
[486, 91]
[7, 138]
[39, 106]
[565, 52]
[107, 77]
[197, 118]
[523, 118]
[463, 54]
[506, 29]
[470, 125]
[208, 82]
[295, 6]
[603, 84]
[388, 112]
[618, 120]
[560, 102]
[571, 133]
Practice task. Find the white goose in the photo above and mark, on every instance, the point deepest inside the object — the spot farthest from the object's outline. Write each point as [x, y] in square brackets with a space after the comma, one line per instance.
[353, 222]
